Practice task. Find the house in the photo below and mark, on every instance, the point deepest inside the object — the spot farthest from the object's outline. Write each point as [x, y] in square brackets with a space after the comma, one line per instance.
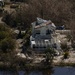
[42, 35]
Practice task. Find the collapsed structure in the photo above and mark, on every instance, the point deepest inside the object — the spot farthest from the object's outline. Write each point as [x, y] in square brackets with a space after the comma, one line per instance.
[42, 37]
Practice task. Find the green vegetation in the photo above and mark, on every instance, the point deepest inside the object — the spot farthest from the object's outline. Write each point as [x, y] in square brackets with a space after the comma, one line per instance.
[49, 55]
[27, 37]
[69, 37]
[7, 44]
[66, 55]
[62, 64]
[64, 47]
[28, 11]
[8, 57]
[7, 41]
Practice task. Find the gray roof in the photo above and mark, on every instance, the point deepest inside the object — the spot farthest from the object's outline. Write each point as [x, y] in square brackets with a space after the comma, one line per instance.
[42, 23]
[39, 21]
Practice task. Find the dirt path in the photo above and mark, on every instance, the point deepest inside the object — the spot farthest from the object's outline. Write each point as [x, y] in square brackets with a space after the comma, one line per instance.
[19, 45]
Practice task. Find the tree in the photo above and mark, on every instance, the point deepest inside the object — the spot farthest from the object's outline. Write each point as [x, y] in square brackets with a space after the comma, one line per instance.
[66, 55]
[58, 11]
[3, 35]
[4, 27]
[8, 18]
[7, 44]
[49, 55]
[65, 49]
[7, 41]
[64, 46]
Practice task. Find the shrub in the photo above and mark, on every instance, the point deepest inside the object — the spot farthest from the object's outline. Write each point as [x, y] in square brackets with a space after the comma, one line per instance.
[66, 55]
[64, 46]
[6, 38]
[7, 44]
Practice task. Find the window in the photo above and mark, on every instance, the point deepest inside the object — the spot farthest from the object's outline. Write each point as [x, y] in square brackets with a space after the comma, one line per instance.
[33, 46]
[48, 31]
[37, 31]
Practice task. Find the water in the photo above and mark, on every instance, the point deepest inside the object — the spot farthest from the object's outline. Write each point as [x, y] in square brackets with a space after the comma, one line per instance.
[53, 71]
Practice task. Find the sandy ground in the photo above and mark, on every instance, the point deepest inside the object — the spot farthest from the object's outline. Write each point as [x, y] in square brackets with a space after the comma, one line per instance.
[71, 58]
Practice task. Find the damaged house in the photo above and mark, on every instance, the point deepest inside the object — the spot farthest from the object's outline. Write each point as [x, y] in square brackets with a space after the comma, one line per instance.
[42, 35]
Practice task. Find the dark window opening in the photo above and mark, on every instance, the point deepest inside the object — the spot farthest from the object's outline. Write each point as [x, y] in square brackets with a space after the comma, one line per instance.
[33, 46]
[48, 31]
[37, 32]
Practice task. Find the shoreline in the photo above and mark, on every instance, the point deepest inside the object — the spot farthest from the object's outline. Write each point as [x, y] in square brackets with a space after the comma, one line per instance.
[31, 66]
[62, 64]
